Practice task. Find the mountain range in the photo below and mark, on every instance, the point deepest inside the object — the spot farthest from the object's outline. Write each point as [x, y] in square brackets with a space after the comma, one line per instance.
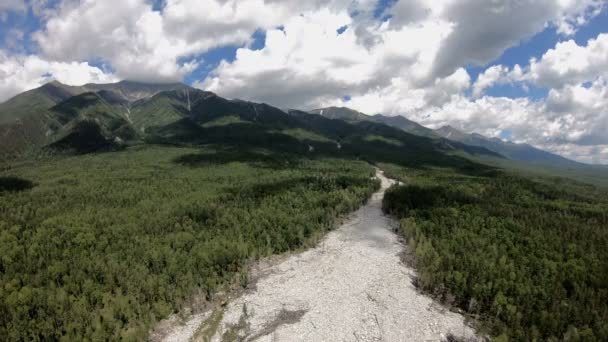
[514, 151]
[59, 118]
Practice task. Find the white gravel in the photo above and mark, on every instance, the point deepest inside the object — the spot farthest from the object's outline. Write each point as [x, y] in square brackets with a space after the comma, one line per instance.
[352, 287]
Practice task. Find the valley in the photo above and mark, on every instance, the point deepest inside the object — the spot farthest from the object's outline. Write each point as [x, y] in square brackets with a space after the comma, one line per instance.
[124, 204]
[295, 171]
[352, 286]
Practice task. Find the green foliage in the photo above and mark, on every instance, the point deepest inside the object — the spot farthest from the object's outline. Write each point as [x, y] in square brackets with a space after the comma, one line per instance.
[106, 244]
[305, 135]
[379, 138]
[528, 256]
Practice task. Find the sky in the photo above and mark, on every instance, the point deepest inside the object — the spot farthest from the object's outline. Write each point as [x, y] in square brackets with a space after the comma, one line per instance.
[531, 71]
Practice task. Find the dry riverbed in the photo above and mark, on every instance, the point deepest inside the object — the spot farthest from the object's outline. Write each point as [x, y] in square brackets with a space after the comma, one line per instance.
[351, 287]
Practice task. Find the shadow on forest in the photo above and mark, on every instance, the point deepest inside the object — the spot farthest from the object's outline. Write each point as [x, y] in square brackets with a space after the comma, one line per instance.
[310, 183]
[14, 184]
[258, 157]
[267, 148]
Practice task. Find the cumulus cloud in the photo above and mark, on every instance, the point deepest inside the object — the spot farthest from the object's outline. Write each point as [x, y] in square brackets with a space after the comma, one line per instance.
[422, 43]
[20, 73]
[12, 5]
[571, 122]
[128, 34]
[144, 44]
[288, 73]
[569, 63]
[484, 29]
[407, 12]
[497, 74]
[309, 50]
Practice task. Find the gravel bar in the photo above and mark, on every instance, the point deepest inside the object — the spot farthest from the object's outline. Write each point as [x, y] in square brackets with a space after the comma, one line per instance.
[352, 287]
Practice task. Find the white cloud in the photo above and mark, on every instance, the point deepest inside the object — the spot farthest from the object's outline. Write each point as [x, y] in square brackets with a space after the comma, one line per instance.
[287, 72]
[12, 5]
[488, 78]
[20, 73]
[147, 45]
[484, 29]
[308, 63]
[127, 33]
[423, 43]
[569, 63]
[497, 74]
[577, 13]
[572, 121]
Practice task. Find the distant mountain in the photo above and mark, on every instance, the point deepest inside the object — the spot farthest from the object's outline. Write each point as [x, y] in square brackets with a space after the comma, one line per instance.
[93, 117]
[397, 121]
[47, 115]
[520, 152]
[52, 93]
[405, 124]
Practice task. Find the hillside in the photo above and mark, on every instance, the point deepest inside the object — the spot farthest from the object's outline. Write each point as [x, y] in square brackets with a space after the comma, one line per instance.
[43, 116]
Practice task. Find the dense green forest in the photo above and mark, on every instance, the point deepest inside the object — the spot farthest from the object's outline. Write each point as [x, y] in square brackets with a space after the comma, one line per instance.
[527, 257]
[100, 246]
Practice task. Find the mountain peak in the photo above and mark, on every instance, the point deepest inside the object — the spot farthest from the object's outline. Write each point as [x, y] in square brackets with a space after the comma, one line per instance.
[151, 84]
[449, 128]
[449, 132]
[53, 83]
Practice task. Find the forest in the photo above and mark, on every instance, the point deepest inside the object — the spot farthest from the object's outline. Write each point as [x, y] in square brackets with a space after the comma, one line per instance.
[525, 257]
[101, 246]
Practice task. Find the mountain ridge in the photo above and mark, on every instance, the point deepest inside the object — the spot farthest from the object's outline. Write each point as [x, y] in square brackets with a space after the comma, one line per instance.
[38, 117]
[515, 151]
[119, 114]
[511, 150]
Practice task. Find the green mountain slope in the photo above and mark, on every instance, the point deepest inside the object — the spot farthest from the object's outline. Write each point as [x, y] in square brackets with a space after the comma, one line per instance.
[54, 111]
[35, 100]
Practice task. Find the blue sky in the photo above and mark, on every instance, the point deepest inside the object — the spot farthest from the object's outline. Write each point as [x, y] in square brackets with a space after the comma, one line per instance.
[466, 63]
